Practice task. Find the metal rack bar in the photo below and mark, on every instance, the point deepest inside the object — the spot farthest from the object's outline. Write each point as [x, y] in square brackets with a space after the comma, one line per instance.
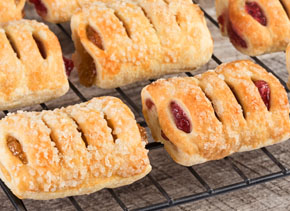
[77, 92]
[274, 159]
[16, 202]
[217, 191]
[75, 203]
[160, 189]
[200, 179]
[129, 101]
[237, 169]
[43, 106]
[117, 199]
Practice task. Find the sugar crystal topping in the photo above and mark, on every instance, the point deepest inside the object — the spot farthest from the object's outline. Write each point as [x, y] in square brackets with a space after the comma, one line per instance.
[57, 157]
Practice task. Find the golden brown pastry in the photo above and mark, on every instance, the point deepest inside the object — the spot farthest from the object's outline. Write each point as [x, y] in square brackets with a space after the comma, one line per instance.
[288, 64]
[11, 10]
[58, 11]
[255, 27]
[71, 151]
[237, 107]
[121, 42]
[31, 65]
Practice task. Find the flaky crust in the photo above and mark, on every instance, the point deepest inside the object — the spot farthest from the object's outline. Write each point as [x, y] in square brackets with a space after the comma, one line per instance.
[259, 39]
[288, 64]
[26, 77]
[71, 151]
[138, 40]
[58, 11]
[225, 109]
[11, 10]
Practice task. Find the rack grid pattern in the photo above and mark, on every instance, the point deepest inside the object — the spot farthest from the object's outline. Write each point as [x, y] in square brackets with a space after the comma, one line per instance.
[169, 201]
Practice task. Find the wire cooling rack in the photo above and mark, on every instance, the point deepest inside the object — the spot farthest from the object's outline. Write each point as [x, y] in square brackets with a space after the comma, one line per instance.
[167, 199]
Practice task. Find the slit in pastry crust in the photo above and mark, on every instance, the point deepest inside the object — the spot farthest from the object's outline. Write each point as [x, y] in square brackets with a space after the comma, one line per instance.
[79, 129]
[285, 8]
[40, 46]
[125, 25]
[237, 98]
[12, 44]
[111, 126]
[16, 149]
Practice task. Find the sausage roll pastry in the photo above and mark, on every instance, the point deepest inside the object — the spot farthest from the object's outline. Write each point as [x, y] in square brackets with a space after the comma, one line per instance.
[120, 42]
[11, 10]
[255, 27]
[31, 66]
[71, 151]
[237, 107]
[58, 11]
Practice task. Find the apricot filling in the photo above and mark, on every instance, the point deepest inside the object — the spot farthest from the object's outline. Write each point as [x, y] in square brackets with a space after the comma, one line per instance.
[16, 149]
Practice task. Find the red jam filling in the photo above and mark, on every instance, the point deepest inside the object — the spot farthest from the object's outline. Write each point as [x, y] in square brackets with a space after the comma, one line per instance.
[180, 118]
[164, 136]
[256, 12]
[235, 37]
[221, 20]
[149, 104]
[69, 65]
[264, 91]
[40, 8]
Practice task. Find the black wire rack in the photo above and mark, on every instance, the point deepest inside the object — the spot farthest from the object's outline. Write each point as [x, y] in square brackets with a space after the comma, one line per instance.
[168, 200]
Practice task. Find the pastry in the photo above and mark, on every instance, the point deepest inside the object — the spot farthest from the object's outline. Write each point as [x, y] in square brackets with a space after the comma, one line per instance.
[255, 27]
[11, 10]
[121, 42]
[31, 66]
[288, 64]
[237, 107]
[71, 151]
[58, 11]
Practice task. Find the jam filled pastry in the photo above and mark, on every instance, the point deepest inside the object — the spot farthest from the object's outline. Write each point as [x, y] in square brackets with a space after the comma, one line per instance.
[118, 42]
[72, 151]
[255, 27]
[238, 107]
[31, 65]
[11, 10]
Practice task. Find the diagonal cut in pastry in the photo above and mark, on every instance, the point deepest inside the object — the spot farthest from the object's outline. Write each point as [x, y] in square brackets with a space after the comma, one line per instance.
[31, 65]
[72, 151]
[121, 42]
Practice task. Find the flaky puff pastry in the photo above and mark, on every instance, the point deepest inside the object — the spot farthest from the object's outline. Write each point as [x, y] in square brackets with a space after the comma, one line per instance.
[31, 66]
[288, 64]
[255, 27]
[215, 114]
[71, 151]
[11, 10]
[58, 11]
[121, 42]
